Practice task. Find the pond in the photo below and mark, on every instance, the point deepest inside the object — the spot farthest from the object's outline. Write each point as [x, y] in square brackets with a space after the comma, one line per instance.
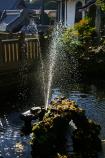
[11, 143]
[89, 96]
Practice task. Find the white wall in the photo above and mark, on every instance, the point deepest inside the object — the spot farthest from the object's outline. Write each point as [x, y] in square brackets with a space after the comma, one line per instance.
[70, 17]
[70, 12]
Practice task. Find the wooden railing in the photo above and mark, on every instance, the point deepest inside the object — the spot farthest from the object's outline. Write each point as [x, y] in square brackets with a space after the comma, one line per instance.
[14, 50]
[32, 48]
[10, 51]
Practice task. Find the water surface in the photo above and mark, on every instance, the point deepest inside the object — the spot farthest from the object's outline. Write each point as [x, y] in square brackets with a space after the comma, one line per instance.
[90, 97]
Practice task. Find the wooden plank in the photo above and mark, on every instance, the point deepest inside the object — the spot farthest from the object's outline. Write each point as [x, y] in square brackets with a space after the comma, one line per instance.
[5, 53]
[34, 49]
[9, 53]
[30, 49]
[27, 50]
[37, 49]
[13, 51]
[17, 52]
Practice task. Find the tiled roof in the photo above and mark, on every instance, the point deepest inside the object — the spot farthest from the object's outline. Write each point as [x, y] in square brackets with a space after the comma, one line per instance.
[9, 4]
[13, 19]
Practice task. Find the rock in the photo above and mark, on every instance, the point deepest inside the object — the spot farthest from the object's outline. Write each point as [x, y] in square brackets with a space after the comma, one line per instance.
[48, 136]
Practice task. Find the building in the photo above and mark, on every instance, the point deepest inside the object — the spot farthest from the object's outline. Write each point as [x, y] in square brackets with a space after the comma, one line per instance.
[71, 11]
[13, 15]
[68, 12]
[43, 8]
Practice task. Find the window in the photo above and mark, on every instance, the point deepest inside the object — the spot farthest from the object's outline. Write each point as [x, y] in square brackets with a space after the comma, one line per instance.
[63, 11]
[78, 14]
[92, 14]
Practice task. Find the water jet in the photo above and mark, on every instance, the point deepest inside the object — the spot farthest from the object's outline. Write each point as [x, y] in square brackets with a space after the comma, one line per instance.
[53, 55]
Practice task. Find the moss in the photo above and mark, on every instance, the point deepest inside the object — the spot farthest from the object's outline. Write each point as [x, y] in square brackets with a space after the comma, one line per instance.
[48, 137]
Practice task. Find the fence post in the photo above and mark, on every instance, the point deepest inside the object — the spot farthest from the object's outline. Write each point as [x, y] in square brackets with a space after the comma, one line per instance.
[22, 47]
[1, 52]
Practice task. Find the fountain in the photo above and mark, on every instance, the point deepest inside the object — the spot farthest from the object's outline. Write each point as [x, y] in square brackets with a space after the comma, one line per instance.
[52, 58]
[56, 64]
[60, 64]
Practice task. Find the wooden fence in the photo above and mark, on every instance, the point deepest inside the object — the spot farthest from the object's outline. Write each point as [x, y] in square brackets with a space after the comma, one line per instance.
[14, 50]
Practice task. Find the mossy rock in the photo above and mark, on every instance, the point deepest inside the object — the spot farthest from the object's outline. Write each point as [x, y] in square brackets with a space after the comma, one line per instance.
[48, 135]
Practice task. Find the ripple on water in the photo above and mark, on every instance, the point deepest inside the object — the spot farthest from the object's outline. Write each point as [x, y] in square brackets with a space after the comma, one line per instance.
[93, 105]
[12, 145]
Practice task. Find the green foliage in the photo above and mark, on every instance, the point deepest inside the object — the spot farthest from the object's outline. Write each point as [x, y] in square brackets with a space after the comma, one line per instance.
[61, 156]
[76, 40]
[70, 41]
[85, 31]
[101, 3]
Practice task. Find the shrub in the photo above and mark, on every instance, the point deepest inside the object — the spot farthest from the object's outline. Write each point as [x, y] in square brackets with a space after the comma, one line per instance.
[85, 31]
[101, 3]
[77, 39]
[70, 41]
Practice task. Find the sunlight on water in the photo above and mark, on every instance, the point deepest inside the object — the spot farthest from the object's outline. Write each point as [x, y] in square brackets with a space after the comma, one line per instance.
[92, 101]
[12, 145]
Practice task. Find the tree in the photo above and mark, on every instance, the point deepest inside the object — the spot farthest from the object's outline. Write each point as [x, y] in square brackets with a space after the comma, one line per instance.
[102, 4]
